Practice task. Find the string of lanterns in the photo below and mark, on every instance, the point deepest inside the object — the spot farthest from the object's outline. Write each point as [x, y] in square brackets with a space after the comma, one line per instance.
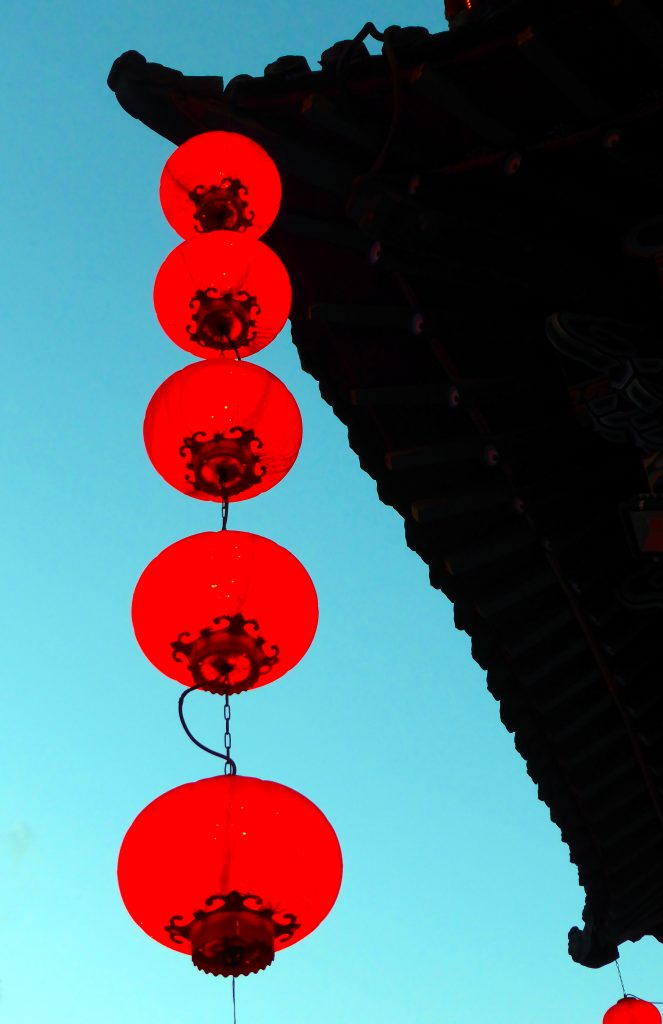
[230, 869]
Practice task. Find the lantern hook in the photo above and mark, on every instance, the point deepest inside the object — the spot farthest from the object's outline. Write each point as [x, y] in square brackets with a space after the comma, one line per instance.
[231, 767]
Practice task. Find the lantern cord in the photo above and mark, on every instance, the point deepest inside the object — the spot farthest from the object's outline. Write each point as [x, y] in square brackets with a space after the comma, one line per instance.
[629, 995]
[234, 1004]
[231, 767]
[225, 501]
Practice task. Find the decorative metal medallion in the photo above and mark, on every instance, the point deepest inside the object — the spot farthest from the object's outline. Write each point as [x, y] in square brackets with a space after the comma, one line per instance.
[222, 207]
[223, 465]
[228, 657]
[235, 938]
[223, 320]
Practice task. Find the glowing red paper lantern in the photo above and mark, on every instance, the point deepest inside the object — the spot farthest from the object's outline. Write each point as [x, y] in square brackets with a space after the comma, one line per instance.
[222, 295]
[230, 870]
[632, 1011]
[221, 429]
[228, 611]
[220, 180]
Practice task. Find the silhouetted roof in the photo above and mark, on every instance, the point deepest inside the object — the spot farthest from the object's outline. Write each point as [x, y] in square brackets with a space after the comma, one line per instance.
[472, 222]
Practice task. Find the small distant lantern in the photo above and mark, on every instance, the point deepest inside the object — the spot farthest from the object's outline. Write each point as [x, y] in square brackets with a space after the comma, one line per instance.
[231, 870]
[220, 181]
[222, 431]
[222, 294]
[631, 1010]
[226, 611]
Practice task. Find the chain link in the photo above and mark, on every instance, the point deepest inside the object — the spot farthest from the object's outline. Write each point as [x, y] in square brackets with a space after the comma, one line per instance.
[227, 741]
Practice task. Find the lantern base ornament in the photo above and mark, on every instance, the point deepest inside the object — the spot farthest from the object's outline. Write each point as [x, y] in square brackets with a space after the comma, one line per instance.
[229, 658]
[222, 207]
[223, 465]
[236, 938]
[223, 320]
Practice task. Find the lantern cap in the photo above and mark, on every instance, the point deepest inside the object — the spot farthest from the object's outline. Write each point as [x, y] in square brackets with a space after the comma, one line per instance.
[227, 657]
[235, 938]
[223, 465]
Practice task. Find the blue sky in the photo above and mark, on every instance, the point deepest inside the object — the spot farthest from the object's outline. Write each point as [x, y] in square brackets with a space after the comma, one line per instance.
[458, 891]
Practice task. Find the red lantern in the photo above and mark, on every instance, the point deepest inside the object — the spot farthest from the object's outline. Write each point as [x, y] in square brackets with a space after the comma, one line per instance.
[222, 430]
[630, 1010]
[227, 611]
[220, 180]
[222, 295]
[230, 870]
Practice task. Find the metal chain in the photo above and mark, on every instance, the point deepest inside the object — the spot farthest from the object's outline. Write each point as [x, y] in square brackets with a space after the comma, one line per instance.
[227, 741]
[230, 767]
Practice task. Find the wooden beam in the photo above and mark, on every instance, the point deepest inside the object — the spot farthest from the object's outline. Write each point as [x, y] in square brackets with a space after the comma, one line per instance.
[319, 110]
[416, 394]
[552, 67]
[490, 548]
[341, 236]
[454, 450]
[432, 510]
[439, 87]
[383, 318]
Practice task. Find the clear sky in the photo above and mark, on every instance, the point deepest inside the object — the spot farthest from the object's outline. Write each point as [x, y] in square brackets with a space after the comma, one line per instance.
[458, 891]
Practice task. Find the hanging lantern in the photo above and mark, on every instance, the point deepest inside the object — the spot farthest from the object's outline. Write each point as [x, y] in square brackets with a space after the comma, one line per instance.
[222, 430]
[222, 295]
[231, 870]
[630, 1010]
[225, 611]
[220, 180]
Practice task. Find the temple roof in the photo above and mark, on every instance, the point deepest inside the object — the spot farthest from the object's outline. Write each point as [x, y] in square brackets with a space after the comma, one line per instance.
[472, 222]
